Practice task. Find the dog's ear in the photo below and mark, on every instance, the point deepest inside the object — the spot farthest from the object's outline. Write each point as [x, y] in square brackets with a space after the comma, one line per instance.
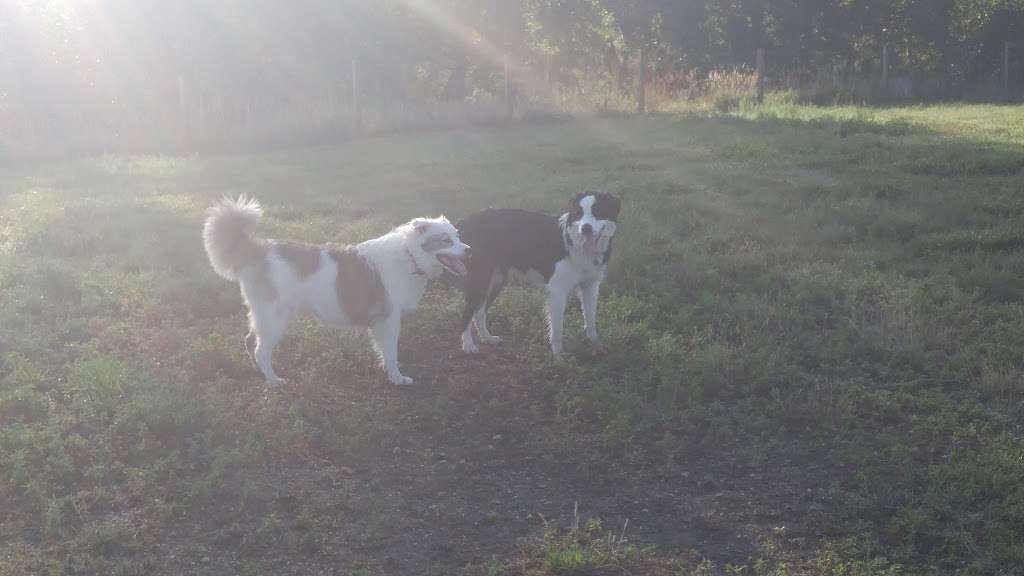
[615, 204]
[420, 225]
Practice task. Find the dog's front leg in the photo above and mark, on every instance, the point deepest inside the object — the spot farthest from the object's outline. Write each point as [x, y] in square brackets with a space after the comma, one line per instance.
[588, 296]
[385, 339]
[557, 296]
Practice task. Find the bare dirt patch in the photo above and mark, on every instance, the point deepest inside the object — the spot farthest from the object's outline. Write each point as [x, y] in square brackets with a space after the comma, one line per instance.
[469, 462]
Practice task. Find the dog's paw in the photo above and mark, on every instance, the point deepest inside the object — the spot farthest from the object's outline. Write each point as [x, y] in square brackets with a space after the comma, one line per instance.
[592, 336]
[492, 339]
[470, 348]
[400, 380]
[276, 382]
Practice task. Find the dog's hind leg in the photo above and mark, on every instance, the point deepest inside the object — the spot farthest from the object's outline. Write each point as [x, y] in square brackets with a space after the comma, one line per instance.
[480, 318]
[385, 339]
[588, 297]
[269, 323]
[250, 346]
[478, 283]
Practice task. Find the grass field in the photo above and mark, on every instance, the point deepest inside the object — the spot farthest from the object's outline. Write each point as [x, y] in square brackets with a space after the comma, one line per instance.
[812, 360]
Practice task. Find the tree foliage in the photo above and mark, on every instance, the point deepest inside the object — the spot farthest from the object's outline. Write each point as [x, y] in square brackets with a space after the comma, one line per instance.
[59, 57]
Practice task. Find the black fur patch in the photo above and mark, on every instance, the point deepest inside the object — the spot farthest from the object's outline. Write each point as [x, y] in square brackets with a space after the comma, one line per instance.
[506, 238]
[503, 239]
[606, 206]
[360, 290]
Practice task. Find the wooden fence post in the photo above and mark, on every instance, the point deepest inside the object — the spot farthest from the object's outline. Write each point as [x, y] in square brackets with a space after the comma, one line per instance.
[547, 71]
[641, 92]
[760, 75]
[183, 111]
[509, 104]
[357, 119]
[1006, 66]
[885, 69]
[181, 95]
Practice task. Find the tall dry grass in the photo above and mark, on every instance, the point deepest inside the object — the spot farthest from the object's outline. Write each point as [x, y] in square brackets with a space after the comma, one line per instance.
[720, 89]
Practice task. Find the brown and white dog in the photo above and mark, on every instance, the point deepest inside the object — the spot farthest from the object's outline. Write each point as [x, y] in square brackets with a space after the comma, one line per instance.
[367, 285]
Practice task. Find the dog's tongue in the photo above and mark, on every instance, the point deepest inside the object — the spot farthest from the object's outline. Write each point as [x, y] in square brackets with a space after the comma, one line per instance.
[459, 267]
[590, 244]
[453, 264]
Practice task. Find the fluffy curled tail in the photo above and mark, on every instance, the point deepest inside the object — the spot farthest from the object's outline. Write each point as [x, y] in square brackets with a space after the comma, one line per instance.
[228, 237]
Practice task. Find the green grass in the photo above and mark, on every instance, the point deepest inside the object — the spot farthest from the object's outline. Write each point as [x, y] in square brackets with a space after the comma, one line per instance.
[818, 309]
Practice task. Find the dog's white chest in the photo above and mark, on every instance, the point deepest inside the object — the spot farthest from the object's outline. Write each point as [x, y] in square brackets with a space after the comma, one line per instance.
[573, 271]
[586, 266]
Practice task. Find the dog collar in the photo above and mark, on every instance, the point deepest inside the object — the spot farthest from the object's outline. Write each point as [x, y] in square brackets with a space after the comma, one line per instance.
[415, 267]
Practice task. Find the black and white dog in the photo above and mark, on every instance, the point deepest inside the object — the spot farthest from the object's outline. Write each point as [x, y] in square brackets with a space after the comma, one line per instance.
[366, 285]
[562, 253]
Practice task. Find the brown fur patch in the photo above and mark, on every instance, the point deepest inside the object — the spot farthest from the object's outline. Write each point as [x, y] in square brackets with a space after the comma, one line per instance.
[249, 250]
[255, 250]
[360, 290]
[303, 258]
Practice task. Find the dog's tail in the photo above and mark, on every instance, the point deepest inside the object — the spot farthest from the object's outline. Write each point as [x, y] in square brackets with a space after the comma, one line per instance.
[228, 237]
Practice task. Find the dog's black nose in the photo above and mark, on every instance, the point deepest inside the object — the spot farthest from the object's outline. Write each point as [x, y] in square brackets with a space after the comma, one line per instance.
[587, 229]
[467, 252]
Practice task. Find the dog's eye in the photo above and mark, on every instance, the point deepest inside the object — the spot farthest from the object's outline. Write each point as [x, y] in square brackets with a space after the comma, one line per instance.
[436, 242]
[605, 212]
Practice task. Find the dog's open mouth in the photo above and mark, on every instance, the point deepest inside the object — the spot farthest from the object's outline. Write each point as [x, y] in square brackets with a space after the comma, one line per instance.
[453, 264]
[590, 243]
